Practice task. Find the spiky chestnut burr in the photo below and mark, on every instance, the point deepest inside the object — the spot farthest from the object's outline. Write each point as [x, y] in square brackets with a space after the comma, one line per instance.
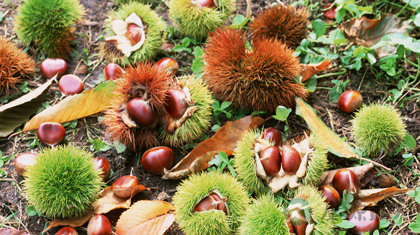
[14, 64]
[197, 120]
[320, 217]
[197, 187]
[155, 27]
[48, 25]
[196, 21]
[63, 182]
[247, 170]
[282, 22]
[260, 79]
[118, 2]
[145, 81]
[264, 216]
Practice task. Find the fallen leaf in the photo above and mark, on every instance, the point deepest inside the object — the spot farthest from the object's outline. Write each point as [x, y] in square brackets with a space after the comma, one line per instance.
[367, 32]
[108, 201]
[76, 106]
[224, 140]
[146, 218]
[330, 13]
[309, 70]
[12, 231]
[323, 134]
[17, 112]
[72, 222]
[369, 197]
[360, 171]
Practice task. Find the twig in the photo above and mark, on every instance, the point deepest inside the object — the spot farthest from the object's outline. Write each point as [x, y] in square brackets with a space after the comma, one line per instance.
[373, 162]
[248, 9]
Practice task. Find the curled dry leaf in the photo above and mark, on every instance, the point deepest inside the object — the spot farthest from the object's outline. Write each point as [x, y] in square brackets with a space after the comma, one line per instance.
[361, 172]
[369, 197]
[72, 222]
[309, 70]
[108, 201]
[121, 41]
[17, 112]
[12, 231]
[146, 218]
[224, 140]
[76, 106]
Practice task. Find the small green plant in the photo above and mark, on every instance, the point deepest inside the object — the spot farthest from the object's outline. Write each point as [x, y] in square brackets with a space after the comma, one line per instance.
[184, 45]
[221, 108]
[282, 113]
[239, 21]
[336, 91]
[415, 225]
[99, 145]
[220, 161]
[198, 63]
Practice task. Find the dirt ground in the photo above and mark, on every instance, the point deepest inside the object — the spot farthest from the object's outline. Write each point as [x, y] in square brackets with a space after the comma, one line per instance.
[11, 195]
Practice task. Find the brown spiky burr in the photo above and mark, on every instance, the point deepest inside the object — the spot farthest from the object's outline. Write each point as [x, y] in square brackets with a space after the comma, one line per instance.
[256, 79]
[14, 64]
[282, 22]
[145, 81]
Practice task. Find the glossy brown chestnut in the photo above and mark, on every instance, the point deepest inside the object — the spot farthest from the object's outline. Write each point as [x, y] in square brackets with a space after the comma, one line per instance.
[123, 186]
[168, 63]
[51, 133]
[141, 112]
[298, 221]
[156, 159]
[365, 221]
[290, 159]
[211, 202]
[167, 47]
[99, 225]
[67, 231]
[290, 225]
[205, 3]
[102, 164]
[70, 84]
[51, 66]
[176, 104]
[271, 160]
[24, 160]
[345, 179]
[273, 135]
[133, 33]
[112, 71]
[350, 101]
[332, 196]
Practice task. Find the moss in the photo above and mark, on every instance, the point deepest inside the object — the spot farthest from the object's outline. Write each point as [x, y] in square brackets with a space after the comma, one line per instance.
[195, 21]
[376, 127]
[47, 24]
[63, 182]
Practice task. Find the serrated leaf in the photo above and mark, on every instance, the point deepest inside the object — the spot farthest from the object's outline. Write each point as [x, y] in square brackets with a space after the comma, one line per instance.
[17, 112]
[76, 106]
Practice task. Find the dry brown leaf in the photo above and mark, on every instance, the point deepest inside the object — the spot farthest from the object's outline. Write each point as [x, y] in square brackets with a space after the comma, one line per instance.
[309, 70]
[108, 201]
[369, 197]
[224, 140]
[76, 106]
[72, 222]
[367, 32]
[146, 218]
[12, 231]
[360, 172]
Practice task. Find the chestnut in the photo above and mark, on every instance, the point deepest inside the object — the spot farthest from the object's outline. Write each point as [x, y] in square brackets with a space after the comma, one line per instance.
[299, 221]
[345, 179]
[24, 160]
[365, 221]
[70, 84]
[349, 101]
[112, 71]
[271, 160]
[273, 135]
[123, 186]
[290, 225]
[51, 66]
[133, 33]
[141, 112]
[156, 159]
[51, 133]
[176, 105]
[167, 47]
[205, 3]
[168, 63]
[67, 231]
[290, 159]
[103, 164]
[99, 225]
[332, 196]
[211, 202]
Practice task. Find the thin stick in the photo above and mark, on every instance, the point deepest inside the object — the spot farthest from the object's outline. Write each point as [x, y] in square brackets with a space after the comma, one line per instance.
[373, 162]
[248, 9]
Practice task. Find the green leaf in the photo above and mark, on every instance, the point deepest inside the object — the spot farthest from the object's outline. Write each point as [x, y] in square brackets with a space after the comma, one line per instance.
[198, 63]
[340, 15]
[1, 16]
[345, 224]
[31, 211]
[239, 21]
[416, 20]
[383, 223]
[409, 141]
[319, 27]
[215, 128]
[282, 113]
[99, 145]
[225, 105]
[397, 218]
[415, 225]
[119, 147]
